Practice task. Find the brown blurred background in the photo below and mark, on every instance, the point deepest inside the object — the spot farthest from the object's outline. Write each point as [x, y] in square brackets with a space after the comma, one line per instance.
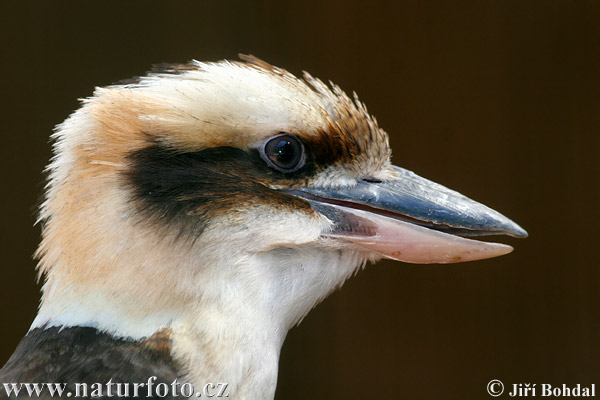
[497, 99]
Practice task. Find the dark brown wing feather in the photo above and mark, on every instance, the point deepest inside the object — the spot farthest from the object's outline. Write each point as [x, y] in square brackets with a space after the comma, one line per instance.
[86, 355]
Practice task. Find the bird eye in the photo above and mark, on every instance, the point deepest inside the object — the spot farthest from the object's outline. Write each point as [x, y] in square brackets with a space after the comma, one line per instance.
[284, 152]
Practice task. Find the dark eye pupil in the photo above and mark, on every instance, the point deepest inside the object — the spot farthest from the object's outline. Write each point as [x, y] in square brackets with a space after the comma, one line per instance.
[285, 152]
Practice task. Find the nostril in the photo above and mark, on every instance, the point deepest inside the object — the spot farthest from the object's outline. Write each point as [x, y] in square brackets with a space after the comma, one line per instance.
[370, 179]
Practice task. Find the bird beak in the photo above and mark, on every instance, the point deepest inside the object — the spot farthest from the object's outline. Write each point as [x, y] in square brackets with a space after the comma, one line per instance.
[411, 219]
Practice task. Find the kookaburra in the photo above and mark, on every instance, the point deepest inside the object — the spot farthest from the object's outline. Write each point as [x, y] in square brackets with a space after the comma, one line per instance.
[194, 215]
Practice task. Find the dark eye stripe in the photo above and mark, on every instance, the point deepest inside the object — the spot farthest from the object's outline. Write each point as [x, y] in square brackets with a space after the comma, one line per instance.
[186, 189]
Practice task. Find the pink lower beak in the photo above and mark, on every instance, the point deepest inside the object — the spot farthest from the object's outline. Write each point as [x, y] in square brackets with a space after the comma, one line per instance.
[403, 241]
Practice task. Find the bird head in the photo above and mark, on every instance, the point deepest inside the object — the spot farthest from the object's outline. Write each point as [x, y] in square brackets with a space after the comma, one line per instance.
[232, 188]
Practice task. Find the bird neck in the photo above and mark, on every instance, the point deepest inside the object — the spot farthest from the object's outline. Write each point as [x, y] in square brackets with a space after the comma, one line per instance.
[235, 342]
[237, 337]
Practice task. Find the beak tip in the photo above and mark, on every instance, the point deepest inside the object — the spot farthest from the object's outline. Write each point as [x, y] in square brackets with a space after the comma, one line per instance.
[516, 231]
[523, 234]
[506, 249]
